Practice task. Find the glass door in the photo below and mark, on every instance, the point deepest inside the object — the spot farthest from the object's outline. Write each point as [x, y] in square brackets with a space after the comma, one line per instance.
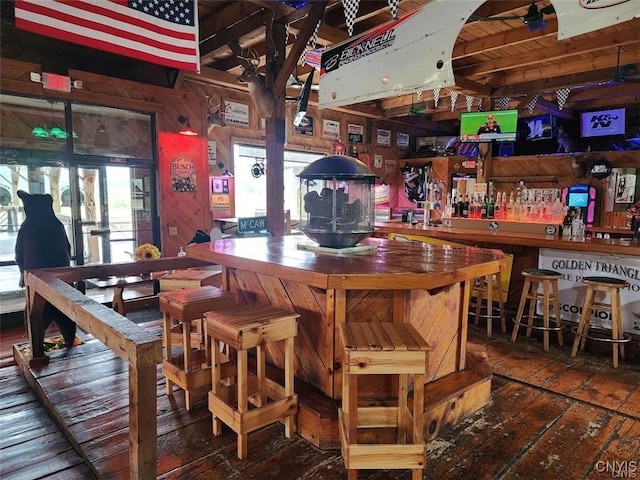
[114, 211]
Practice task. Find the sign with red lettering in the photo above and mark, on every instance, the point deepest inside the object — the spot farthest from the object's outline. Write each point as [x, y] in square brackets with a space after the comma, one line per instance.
[183, 174]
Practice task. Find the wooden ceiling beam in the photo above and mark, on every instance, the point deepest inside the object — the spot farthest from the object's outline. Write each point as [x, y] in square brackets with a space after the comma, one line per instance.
[545, 78]
[547, 54]
[227, 18]
[213, 44]
[315, 13]
[503, 39]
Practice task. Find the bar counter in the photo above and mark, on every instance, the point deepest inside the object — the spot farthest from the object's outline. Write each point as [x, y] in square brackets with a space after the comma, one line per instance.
[622, 246]
[423, 284]
[529, 251]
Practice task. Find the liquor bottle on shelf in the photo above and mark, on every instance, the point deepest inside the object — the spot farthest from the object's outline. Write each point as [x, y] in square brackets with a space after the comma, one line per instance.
[497, 213]
[511, 207]
[465, 207]
[455, 211]
[483, 208]
[476, 207]
[518, 210]
[491, 208]
[460, 206]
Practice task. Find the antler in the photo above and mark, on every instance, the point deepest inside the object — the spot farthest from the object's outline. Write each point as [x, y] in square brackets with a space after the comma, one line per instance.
[214, 116]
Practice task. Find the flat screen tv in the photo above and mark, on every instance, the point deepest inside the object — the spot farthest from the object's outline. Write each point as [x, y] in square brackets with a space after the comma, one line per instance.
[539, 128]
[603, 122]
[477, 126]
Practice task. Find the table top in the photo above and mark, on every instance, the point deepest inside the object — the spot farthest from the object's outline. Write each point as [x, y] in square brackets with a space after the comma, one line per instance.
[386, 265]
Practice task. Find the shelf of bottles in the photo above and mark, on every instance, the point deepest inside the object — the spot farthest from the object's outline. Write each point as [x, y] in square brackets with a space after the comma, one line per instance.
[530, 205]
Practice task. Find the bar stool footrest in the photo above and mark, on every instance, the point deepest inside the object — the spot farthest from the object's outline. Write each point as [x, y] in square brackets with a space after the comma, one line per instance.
[540, 327]
[602, 335]
[495, 313]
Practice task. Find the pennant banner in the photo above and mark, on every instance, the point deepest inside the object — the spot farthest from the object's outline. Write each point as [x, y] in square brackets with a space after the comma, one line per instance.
[562, 95]
[138, 29]
[350, 11]
[532, 103]
[454, 98]
[436, 96]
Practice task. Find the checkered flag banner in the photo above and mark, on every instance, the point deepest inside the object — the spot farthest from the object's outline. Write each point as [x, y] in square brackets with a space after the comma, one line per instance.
[503, 103]
[454, 97]
[419, 94]
[480, 104]
[311, 44]
[436, 96]
[562, 94]
[469, 102]
[393, 5]
[532, 103]
[350, 11]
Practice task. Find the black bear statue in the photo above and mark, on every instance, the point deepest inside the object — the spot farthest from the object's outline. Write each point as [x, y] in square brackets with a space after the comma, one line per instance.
[42, 243]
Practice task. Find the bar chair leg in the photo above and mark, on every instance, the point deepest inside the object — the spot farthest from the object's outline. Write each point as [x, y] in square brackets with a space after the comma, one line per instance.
[583, 324]
[556, 309]
[523, 299]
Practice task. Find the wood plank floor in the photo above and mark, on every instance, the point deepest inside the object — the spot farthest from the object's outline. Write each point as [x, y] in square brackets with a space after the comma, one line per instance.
[549, 417]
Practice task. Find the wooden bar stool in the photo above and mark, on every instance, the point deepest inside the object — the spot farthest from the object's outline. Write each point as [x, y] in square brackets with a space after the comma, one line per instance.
[618, 338]
[487, 290]
[389, 349]
[533, 277]
[258, 400]
[182, 313]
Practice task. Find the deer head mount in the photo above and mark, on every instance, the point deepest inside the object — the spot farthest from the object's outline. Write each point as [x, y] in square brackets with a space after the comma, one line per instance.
[261, 95]
[214, 116]
[580, 165]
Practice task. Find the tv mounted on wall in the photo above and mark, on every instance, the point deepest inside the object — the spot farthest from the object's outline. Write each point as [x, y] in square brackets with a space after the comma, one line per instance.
[477, 126]
[540, 127]
[603, 122]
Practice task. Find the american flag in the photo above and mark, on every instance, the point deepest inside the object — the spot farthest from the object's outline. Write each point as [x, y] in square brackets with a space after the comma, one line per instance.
[164, 32]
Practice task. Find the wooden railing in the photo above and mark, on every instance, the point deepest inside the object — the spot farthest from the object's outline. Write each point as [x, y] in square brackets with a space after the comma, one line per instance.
[141, 349]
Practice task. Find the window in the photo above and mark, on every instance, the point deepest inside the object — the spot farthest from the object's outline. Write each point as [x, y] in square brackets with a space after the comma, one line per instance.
[250, 166]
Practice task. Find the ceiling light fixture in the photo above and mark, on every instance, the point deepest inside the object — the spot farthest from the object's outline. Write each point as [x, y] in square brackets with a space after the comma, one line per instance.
[533, 18]
[39, 131]
[187, 130]
[304, 100]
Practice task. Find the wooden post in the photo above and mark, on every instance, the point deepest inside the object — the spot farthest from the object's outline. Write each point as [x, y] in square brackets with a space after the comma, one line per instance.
[275, 131]
[143, 422]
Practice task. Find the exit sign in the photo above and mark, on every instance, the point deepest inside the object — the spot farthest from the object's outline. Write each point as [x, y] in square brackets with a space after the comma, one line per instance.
[60, 83]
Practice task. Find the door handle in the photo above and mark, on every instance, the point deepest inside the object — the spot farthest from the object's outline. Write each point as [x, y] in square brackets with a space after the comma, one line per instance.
[103, 231]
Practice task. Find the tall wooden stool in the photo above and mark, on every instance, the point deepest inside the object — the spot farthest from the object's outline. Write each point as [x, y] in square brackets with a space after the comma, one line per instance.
[618, 338]
[487, 290]
[182, 313]
[533, 277]
[258, 400]
[389, 349]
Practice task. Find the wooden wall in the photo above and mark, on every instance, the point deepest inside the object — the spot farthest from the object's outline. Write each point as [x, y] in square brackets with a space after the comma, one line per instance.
[191, 212]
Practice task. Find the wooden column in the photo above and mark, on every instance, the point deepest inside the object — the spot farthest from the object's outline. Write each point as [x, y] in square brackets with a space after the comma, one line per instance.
[275, 131]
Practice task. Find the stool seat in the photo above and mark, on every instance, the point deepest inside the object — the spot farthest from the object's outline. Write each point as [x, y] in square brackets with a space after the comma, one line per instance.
[257, 400]
[489, 289]
[609, 286]
[389, 349]
[533, 279]
[182, 312]
[606, 281]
